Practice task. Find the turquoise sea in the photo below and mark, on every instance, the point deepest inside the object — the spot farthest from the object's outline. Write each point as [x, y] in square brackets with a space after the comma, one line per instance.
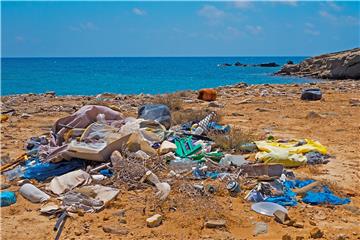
[133, 75]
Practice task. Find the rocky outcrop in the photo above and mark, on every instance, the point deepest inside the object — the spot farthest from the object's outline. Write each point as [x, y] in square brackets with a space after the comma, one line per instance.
[339, 65]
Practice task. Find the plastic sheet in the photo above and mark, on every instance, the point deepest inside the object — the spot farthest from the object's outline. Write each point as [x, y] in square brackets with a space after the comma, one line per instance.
[42, 171]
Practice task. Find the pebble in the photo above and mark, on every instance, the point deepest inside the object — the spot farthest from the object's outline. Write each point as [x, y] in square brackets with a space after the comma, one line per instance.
[298, 225]
[300, 238]
[25, 116]
[260, 228]
[281, 216]
[286, 237]
[215, 223]
[263, 109]
[313, 114]
[341, 237]
[216, 105]
[316, 233]
[312, 223]
[115, 230]
[154, 221]
[4, 186]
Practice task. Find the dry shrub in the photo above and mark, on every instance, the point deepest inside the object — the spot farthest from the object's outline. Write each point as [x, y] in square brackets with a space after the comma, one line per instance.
[233, 140]
[196, 115]
[333, 186]
[174, 102]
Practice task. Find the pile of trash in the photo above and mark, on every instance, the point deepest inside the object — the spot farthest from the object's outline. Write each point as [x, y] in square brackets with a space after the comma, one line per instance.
[98, 144]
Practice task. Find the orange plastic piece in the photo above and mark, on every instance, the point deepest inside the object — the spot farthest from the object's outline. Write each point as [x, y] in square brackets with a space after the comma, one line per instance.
[207, 94]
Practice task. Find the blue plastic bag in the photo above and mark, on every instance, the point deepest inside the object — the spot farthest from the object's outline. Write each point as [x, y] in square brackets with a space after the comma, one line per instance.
[7, 198]
[324, 197]
[41, 171]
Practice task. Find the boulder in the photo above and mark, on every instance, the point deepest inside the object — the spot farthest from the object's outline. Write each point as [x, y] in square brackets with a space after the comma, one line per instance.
[338, 65]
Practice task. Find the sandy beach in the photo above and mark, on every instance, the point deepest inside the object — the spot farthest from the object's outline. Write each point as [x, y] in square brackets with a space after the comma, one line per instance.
[260, 109]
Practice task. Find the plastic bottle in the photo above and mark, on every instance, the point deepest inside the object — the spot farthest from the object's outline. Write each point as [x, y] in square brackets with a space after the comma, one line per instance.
[15, 173]
[33, 194]
[182, 165]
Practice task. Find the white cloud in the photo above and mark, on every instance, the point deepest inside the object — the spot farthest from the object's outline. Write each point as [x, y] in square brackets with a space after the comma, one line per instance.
[138, 11]
[311, 29]
[352, 20]
[311, 32]
[19, 39]
[293, 3]
[327, 15]
[242, 4]
[86, 26]
[211, 12]
[334, 6]
[254, 29]
[233, 31]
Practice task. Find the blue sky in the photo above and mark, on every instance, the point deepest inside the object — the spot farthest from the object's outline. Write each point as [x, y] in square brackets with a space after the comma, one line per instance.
[41, 29]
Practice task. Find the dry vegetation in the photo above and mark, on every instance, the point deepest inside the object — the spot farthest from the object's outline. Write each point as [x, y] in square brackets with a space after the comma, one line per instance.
[233, 140]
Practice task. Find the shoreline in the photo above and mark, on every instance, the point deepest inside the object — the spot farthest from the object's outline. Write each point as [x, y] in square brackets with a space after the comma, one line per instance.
[311, 82]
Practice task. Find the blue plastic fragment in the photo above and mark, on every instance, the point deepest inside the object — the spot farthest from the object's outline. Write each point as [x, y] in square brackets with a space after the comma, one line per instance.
[7, 198]
[106, 172]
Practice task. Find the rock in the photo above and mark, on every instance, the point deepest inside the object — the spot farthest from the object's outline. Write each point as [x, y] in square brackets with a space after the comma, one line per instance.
[341, 237]
[154, 221]
[263, 109]
[354, 102]
[260, 228]
[298, 225]
[215, 105]
[25, 115]
[312, 223]
[215, 223]
[169, 156]
[271, 64]
[338, 65]
[115, 230]
[312, 115]
[239, 64]
[316, 233]
[245, 101]
[300, 238]
[4, 186]
[120, 213]
[141, 154]
[311, 94]
[286, 237]
[224, 65]
[50, 93]
[77, 233]
[290, 62]
[167, 147]
[281, 216]
[235, 114]
[122, 221]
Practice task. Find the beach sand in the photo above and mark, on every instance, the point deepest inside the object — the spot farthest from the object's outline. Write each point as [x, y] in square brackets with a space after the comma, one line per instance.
[261, 109]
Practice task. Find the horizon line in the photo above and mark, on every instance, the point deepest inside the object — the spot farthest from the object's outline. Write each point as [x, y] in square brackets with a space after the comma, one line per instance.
[154, 56]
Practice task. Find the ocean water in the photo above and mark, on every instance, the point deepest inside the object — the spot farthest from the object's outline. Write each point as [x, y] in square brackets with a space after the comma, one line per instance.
[133, 75]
